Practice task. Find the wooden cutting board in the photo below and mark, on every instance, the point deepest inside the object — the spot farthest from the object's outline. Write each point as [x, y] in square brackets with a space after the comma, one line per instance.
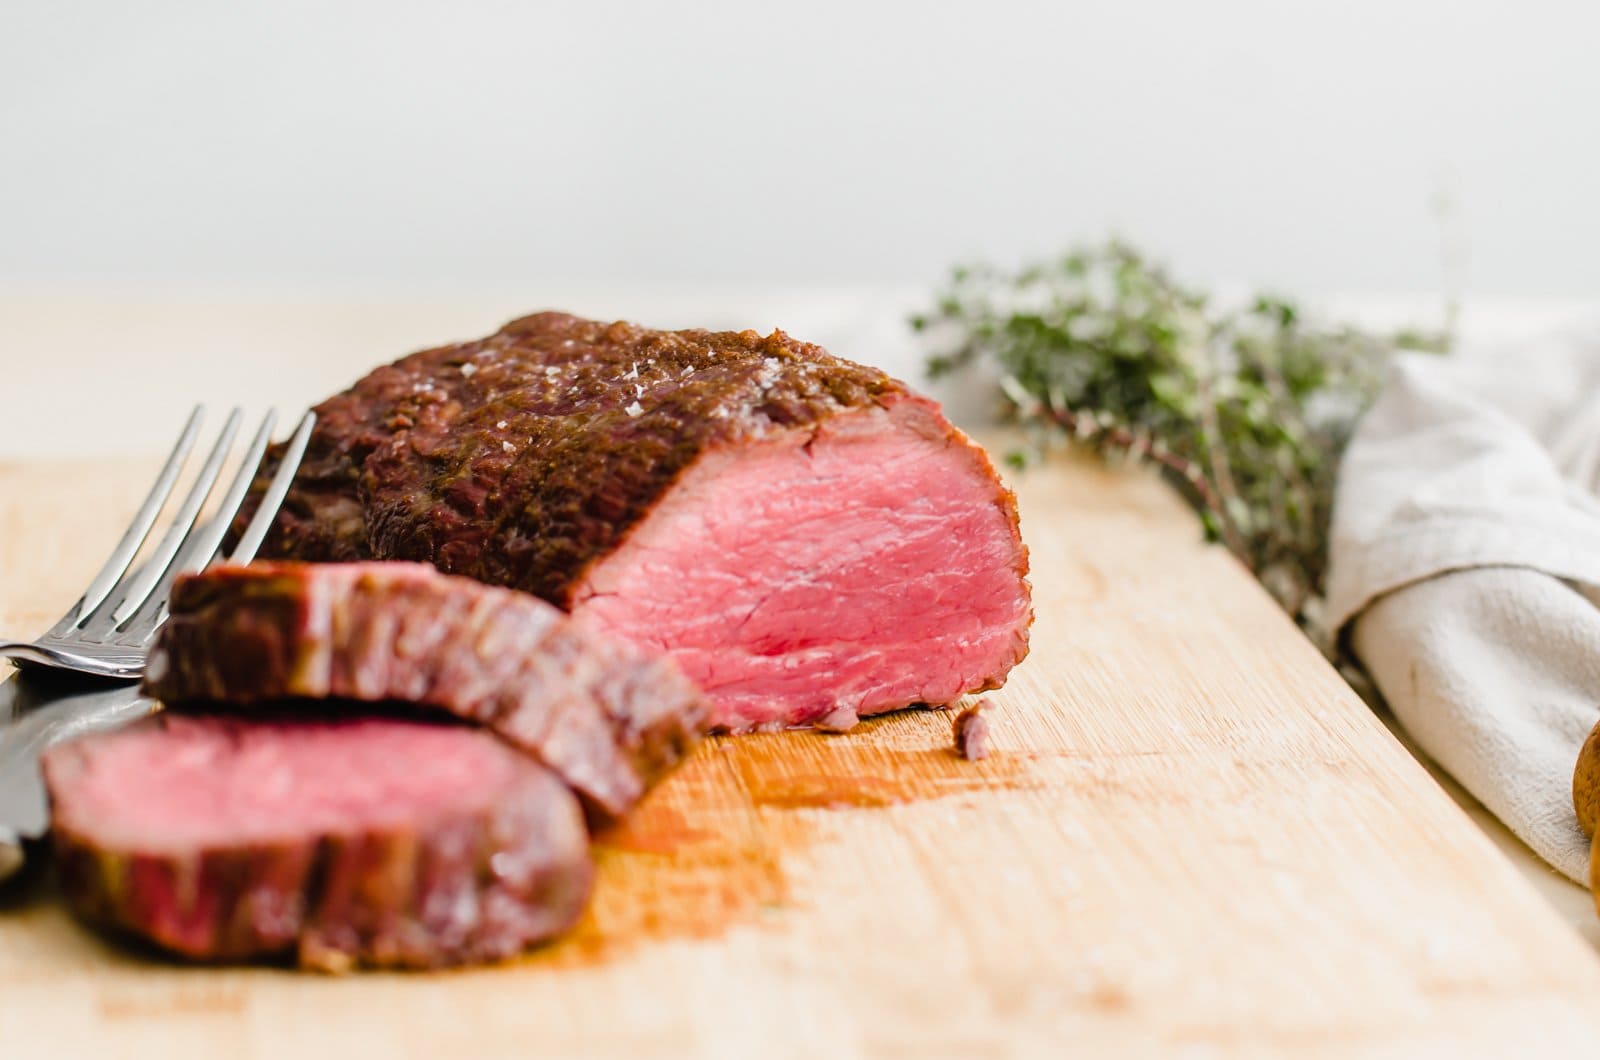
[1191, 838]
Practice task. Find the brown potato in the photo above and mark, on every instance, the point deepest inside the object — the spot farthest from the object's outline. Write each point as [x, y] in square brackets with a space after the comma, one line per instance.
[1586, 784]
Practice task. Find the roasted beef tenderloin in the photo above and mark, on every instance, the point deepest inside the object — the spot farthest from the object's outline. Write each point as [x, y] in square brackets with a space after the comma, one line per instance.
[335, 843]
[811, 540]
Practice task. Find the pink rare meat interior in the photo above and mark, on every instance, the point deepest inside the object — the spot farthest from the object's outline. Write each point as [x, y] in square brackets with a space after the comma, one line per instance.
[200, 782]
[826, 575]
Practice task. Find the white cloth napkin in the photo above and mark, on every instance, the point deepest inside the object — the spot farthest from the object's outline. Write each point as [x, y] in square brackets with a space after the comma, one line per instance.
[1465, 570]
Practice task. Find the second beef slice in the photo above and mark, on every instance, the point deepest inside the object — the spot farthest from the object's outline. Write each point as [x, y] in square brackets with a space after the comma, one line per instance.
[604, 715]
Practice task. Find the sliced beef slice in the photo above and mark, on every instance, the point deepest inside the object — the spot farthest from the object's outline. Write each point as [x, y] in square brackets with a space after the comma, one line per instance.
[344, 843]
[606, 715]
[810, 539]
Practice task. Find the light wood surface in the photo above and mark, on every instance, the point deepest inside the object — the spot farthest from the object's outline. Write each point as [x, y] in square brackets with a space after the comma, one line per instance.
[1192, 839]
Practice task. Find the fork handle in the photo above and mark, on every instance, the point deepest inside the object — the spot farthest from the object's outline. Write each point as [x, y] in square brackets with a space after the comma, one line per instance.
[125, 666]
[20, 652]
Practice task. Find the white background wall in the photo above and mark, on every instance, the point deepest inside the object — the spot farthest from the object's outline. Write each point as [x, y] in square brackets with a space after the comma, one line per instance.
[414, 145]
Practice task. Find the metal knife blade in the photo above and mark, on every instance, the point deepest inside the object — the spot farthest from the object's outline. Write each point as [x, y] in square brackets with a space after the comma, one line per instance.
[36, 711]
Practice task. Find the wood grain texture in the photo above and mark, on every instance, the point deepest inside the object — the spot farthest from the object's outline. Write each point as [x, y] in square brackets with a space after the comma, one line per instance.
[1190, 838]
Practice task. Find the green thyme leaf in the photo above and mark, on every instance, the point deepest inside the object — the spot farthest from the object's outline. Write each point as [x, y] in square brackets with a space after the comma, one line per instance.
[1246, 410]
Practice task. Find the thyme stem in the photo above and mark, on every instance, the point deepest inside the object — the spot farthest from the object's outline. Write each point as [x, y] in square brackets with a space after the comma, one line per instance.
[1247, 410]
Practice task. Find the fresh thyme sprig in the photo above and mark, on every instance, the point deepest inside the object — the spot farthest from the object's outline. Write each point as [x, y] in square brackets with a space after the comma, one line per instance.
[1245, 410]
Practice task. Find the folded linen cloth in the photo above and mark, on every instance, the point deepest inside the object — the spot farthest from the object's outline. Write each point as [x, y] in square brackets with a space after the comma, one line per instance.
[1465, 570]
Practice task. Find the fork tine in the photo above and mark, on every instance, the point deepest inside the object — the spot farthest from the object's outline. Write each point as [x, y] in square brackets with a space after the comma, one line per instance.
[201, 546]
[182, 522]
[245, 549]
[139, 529]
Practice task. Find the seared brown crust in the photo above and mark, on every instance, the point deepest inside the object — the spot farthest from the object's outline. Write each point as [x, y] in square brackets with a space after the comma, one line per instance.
[452, 890]
[1586, 784]
[606, 716]
[523, 458]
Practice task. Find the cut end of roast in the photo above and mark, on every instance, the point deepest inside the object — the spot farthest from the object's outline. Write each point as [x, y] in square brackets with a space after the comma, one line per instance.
[869, 564]
[344, 843]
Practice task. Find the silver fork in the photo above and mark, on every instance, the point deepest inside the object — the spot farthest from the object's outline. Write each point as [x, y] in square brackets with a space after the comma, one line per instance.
[108, 631]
